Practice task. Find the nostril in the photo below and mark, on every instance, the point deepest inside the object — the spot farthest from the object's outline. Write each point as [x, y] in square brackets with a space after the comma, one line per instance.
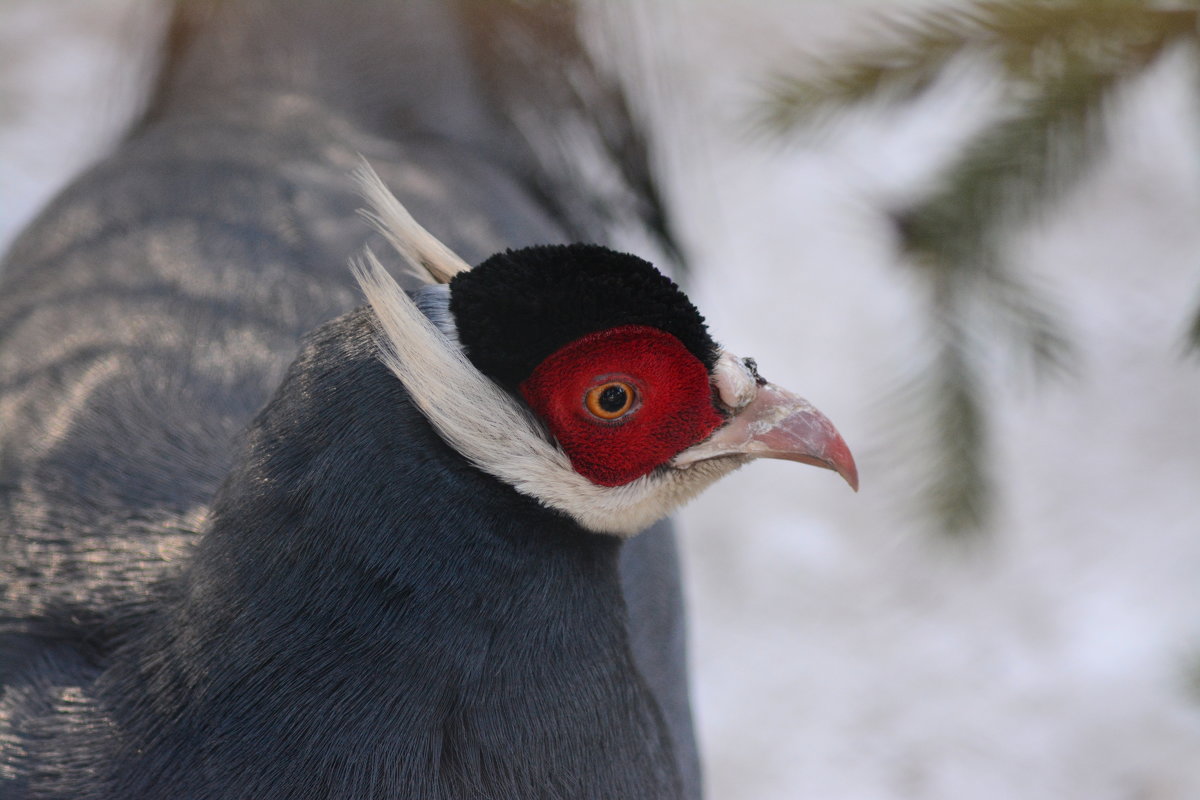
[736, 381]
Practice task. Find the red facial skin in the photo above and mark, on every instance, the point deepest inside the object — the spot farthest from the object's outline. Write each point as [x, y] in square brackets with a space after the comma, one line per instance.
[672, 410]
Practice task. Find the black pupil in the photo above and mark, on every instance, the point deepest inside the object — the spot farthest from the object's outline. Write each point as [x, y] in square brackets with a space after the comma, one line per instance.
[613, 399]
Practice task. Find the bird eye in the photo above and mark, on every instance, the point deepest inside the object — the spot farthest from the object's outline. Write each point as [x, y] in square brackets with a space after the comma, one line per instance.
[611, 400]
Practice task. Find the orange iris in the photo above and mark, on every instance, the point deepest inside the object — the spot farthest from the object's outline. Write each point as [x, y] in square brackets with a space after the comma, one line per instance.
[611, 400]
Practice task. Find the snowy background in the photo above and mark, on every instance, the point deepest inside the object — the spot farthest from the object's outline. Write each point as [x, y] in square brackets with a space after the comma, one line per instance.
[841, 650]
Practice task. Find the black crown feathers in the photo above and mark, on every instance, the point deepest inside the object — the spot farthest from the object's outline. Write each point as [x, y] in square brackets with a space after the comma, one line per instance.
[519, 306]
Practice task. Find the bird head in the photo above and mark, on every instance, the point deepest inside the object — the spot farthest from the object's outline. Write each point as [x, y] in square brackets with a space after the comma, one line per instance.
[581, 376]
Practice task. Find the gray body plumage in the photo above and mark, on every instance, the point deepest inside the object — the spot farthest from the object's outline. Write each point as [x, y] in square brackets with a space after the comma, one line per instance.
[154, 307]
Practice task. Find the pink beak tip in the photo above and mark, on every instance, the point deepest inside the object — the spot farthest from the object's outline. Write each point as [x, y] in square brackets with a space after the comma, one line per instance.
[841, 461]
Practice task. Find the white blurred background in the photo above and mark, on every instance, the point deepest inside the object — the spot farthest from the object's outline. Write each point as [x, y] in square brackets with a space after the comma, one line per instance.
[843, 648]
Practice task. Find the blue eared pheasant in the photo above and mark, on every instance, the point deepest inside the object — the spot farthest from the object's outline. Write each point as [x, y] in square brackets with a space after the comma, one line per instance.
[415, 573]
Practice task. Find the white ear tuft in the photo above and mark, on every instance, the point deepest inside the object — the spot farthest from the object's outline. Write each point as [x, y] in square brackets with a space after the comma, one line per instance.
[430, 260]
[486, 425]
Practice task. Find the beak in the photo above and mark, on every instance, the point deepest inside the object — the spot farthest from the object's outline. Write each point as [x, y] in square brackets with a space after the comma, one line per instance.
[774, 423]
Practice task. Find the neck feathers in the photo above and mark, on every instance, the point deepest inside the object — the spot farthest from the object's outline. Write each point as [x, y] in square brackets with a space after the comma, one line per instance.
[400, 626]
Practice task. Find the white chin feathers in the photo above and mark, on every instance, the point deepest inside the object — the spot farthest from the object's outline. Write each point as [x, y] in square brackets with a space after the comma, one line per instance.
[486, 425]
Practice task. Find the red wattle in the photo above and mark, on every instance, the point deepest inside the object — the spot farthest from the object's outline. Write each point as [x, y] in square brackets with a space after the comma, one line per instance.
[673, 410]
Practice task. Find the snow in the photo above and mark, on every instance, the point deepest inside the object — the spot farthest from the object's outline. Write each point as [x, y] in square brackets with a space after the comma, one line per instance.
[841, 650]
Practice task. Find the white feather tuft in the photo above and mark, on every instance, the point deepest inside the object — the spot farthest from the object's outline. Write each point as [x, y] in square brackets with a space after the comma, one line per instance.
[429, 259]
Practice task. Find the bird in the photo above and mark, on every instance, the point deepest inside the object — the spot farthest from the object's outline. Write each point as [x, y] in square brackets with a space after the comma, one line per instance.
[392, 560]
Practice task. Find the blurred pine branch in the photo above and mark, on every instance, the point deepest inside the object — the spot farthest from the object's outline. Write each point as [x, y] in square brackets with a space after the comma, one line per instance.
[1061, 61]
[1032, 41]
